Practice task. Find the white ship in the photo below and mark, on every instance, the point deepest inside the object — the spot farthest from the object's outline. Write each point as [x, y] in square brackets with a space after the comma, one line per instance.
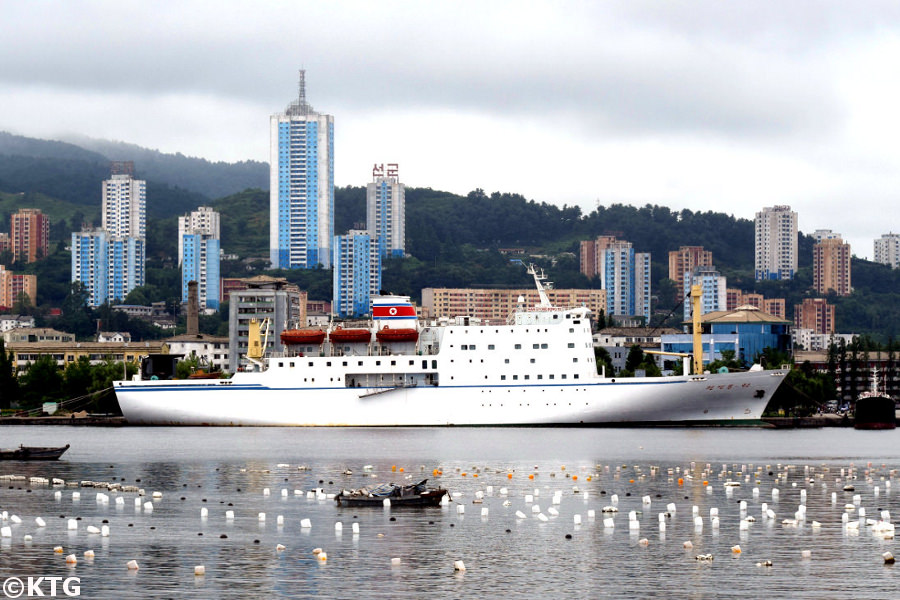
[537, 369]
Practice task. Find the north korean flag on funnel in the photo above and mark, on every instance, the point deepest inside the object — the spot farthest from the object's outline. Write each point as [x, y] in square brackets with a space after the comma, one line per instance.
[394, 311]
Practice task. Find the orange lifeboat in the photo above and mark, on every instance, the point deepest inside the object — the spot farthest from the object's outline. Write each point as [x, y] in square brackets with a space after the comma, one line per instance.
[296, 337]
[402, 334]
[350, 336]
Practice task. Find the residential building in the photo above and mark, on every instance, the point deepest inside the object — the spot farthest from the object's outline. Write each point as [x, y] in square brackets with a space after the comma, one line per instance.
[887, 250]
[712, 286]
[617, 341]
[831, 267]
[591, 254]
[274, 303]
[807, 339]
[10, 322]
[776, 243]
[386, 211]
[198, 247]
[124, 203]
[16, 285]
[624, 274]
[494, 306]
[746, 331]
[825, 234]
[773, 306]
[204, 220]
[32, 335]
[5, 243]
[29, 234]
[301, 184]
[210, 351]
[357, 273]
[815, 314]
[686, 259]
[113, 337]
[90, 255]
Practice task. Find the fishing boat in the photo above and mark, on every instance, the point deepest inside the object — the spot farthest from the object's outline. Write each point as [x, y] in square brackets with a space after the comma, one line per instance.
[875, 409]
[408, 495]
[537, 368]
[32, 453]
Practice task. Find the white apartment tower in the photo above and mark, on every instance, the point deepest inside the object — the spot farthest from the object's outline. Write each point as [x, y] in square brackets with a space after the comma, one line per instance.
[887, 250]
[301, 186]
[386, 211]
[198, 255]
[776, 243]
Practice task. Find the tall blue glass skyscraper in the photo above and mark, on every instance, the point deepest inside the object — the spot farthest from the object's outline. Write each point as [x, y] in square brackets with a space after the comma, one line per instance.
[301, 186]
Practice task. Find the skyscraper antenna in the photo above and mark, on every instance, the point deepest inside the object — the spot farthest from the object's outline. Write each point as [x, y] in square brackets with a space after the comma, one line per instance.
[301, 92]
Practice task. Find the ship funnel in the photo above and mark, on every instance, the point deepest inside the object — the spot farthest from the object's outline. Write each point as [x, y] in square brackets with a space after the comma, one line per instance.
[394, 312]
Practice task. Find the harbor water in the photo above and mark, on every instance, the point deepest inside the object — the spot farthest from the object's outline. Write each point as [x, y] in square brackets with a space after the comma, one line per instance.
[509, 548]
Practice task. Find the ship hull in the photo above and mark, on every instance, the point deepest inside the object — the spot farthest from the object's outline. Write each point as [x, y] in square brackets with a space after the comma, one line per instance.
[248, 400]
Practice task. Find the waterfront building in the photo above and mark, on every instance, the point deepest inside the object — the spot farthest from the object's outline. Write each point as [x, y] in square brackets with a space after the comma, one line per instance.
[746, 331]
[494, 306]
[211, 351]
[198, 247]
[16, 285]
[887, 250]
[386, 211]
[90, 253]
[301, 185]
[66, 352]
[686, 259]
[713, 287]
[357, 273]
[831, 267]
[815, 314]
[776, 243]
[29, 234]
[276, 304]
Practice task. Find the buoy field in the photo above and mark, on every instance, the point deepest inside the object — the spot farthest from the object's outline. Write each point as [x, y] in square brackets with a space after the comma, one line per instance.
[533, 513]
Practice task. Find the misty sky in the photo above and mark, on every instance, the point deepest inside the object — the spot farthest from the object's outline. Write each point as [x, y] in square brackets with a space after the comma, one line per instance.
[706, 105]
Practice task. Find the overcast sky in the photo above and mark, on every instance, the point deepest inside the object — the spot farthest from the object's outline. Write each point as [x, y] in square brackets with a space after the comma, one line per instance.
[725, 106]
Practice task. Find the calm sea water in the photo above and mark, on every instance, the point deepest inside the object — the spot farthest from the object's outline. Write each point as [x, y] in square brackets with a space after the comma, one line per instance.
[228, 469]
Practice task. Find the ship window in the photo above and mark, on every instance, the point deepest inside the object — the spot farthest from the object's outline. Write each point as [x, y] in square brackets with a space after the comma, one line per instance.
[464, 347]
[518, 346]
[575, 359]
[471, 346]
[310, 364]
[571, 344]
[532, 361]
[359, 363]
[535, 346]
[344, 363]
[328, 364]
[411, 363]
[540, 376]
[490, 346]
[503, 378]
[515, 377]
[577, 322]
[543, 346]
[564, 376]
[377, 362]
[571, 330]
[506, 361]
[528, 377]
[576, 375]
[280, 364]
[552, 376]
[434, 364]
[424, 364]
[393, 363]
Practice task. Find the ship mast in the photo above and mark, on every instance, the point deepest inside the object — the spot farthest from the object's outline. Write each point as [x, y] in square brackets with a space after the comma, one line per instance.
[538, 278]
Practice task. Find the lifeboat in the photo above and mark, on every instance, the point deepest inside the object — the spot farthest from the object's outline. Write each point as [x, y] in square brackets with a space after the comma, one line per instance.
[402, 334]
[350, 336]
[296, 337]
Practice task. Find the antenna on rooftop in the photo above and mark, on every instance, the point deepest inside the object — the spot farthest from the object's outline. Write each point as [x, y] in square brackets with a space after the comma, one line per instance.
[301, 91]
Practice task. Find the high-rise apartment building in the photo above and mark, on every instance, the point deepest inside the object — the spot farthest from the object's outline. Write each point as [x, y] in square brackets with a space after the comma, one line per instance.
[386, 211]
[15, 286]
[776, 243]
[887, 250]
[29, 234]
[90, 260]
[625, 275]
[815, 314]
[357, 273]
[686, 259]
[110, 261]
[713, 286]
[198, 255]
[831, 266]
[301, 185]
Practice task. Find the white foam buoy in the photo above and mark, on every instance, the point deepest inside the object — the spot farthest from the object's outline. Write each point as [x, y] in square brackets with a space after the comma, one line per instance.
[76, 496]
[460, 509]
[204, 512]
[148, 507]
[592, 514]
[634, 525]
[688, 545]
[92, 529]
[614, 498]
[40, 522]
[543, 518]
[89, 554]
[609, 523]
[279, 520]
[529, 498]
[262, 517]
[535, 508]
[279, 547]
[132, 565]
[395, 562]
[71, 559]
[355, 528]
[576, 519]
[284, 493]
[229, 515]
[72, 525]
[459, 565]
[484, 511]
[104, 530]
[156, 495]
[387, 502]
[670, 508]
[199, 570]
[806, 553]
[646, 500]
[520, 515]
[6, 531]
[338, 527]
[305, 524]
[698, 523]
[266, 491]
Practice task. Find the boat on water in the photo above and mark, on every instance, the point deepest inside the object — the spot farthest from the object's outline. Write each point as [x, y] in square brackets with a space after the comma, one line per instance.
[33, 452]
[415, 494]
[538, 368]
[875, 409]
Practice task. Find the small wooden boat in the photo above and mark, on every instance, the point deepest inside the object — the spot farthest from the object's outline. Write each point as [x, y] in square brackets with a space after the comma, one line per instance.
[297, 337]
[408, 495]
[350, 336]
[32, 453]
[401, 334]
